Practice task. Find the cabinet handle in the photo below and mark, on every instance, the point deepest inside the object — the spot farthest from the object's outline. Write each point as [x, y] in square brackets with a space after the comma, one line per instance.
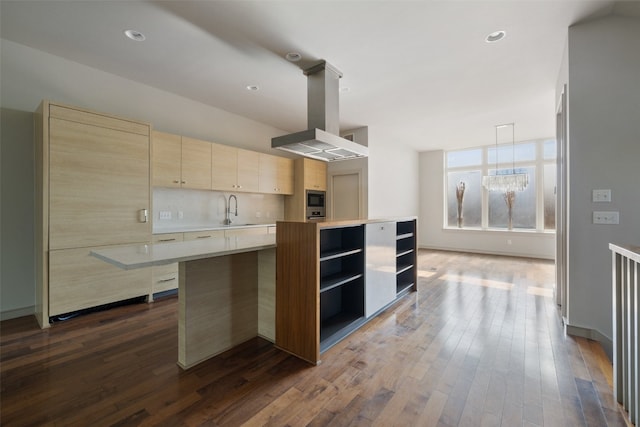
[143, 215]
[166, 280]
[183, 182]
[239, 186]
[176, 181]
[203, 237]
[166, 240]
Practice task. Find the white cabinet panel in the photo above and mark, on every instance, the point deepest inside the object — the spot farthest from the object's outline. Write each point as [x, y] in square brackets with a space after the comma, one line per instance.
[380, 279]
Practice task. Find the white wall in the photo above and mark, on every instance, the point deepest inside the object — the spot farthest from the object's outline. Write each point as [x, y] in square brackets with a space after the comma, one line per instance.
[604, 153]
[433, 235]
[393, 179]
[17, 250]
[28, 76]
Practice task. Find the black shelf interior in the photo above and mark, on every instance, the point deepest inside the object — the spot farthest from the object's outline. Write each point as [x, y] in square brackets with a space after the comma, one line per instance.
[341, 310]
[405, 255]
[326, 256]
[334, 241]
[405, 279]
[405, 227]
[338, 279]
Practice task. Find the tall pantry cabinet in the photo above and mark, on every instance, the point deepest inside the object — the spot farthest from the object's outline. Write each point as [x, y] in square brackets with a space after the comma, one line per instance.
[93, 181]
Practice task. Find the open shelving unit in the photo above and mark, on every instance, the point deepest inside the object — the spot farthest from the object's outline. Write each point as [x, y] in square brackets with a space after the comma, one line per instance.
[341, 283]
[406, 271]
[322, 280]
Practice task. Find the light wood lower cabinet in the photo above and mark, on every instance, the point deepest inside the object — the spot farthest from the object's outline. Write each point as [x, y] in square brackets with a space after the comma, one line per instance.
[78, 280]
[165, 277]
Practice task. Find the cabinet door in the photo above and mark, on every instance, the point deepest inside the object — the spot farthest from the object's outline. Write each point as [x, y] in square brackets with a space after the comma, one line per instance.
[196, 164]
[224, 173]
[166, 165]
[248, 171]
[285, 175]
[380, 256]
[268, 173]
[315, 175]
[98, 185]
[78, 280]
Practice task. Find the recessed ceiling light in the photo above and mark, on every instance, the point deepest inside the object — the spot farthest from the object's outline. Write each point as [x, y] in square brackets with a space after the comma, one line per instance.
[293, 56]
[495, 36]
[253, 88]
[135, 35]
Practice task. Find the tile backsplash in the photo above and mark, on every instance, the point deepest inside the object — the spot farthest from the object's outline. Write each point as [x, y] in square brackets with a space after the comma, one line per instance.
[176, 207]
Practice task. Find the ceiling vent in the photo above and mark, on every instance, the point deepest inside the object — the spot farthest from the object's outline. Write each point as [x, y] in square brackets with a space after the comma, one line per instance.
[321, 140]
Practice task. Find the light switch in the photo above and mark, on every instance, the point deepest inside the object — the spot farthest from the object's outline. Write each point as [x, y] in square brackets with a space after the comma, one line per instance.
[165, 214]
[601, 196]
[606, 217]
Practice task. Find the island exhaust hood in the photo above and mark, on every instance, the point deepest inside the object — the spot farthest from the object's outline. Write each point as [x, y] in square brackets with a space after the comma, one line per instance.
[321, 140]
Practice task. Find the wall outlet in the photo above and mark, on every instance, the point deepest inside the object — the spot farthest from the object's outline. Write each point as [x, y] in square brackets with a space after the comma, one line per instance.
[601, 196]
[606, 217]
[165, 214]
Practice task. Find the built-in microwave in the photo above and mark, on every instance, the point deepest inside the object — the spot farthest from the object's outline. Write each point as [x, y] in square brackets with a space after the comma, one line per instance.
[315, 204]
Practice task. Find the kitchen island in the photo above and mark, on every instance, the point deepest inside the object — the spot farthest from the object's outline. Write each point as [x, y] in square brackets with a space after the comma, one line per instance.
[226, 289]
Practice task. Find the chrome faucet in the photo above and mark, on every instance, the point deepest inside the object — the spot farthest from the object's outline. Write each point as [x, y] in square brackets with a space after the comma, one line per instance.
[227, 210]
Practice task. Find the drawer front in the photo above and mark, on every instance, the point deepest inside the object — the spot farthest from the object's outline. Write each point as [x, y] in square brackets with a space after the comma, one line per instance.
[167, 238]
[193, 235]
[165, 277]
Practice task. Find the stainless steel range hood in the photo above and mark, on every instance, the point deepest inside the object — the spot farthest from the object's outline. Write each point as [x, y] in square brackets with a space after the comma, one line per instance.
[321, 141]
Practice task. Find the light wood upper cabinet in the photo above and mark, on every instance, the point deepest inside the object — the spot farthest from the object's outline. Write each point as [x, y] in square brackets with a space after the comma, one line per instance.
[234, 169]
[167, 164]
[248, 171]
[285, 175]
[276, 174]
[181, 162]
[196, 164]
[224, 173]
[315, 175]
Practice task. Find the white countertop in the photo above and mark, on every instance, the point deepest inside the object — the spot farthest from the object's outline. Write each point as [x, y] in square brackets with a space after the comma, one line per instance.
[138, 256]
[205, 227]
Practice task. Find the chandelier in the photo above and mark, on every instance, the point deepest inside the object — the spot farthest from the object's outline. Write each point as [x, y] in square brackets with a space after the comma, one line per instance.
[508, 181]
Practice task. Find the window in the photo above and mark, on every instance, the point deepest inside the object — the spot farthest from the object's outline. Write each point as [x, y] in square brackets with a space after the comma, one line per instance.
[469, 205]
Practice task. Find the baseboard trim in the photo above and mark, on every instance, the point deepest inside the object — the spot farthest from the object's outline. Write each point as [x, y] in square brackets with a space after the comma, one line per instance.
[17, 312]
[483, 252]
[591, 334]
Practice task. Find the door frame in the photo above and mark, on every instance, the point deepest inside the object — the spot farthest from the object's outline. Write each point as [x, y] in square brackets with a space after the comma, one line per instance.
[330, 202]
[562, 261]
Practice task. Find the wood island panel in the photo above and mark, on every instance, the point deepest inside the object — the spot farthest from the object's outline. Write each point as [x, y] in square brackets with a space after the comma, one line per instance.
[297, 305]
[218, 300]
[267, 294]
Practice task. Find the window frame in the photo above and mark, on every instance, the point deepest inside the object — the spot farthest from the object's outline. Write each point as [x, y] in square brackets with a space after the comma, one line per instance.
[538, 164]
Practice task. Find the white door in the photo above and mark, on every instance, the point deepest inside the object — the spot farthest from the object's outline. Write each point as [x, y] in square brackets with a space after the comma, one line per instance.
[345, 196]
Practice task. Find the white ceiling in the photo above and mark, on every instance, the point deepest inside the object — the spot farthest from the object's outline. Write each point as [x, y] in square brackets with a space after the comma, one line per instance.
[418, 72]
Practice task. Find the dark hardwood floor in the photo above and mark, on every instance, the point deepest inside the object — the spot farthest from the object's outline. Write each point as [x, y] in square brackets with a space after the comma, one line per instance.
[480, 344]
